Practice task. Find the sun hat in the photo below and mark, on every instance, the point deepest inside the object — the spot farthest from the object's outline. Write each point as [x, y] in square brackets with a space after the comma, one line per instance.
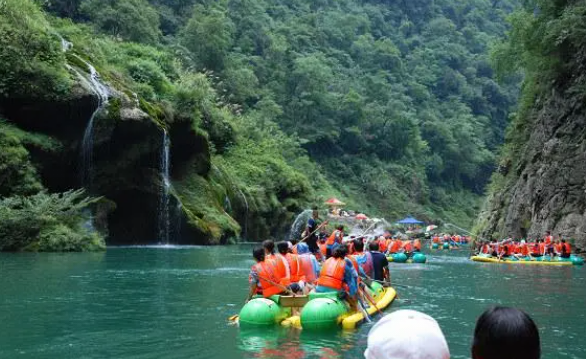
[406, 334]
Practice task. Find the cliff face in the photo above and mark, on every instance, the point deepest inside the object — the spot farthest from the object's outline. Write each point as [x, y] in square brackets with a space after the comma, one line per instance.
[542, 185]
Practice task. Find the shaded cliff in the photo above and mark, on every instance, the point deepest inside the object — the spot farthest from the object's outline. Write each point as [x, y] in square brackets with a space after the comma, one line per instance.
[541, 181]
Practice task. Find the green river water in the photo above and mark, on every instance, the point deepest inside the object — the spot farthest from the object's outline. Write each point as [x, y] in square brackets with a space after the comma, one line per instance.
[173, 302]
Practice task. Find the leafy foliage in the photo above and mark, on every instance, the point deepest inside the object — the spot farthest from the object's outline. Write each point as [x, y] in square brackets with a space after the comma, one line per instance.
[47, 222]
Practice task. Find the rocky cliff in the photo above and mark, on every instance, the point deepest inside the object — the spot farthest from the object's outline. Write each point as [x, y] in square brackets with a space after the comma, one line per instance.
[541, 181]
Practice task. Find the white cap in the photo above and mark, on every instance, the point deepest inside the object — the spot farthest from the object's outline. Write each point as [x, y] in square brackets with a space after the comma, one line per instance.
[406, 334]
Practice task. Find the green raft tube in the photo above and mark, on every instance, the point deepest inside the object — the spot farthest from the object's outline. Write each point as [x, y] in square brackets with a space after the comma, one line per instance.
[317, 311]
[438, 246]
[544, 260]
[418, 257]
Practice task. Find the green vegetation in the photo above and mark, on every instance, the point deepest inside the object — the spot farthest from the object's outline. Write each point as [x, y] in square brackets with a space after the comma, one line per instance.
[274, 106]
[47, 222]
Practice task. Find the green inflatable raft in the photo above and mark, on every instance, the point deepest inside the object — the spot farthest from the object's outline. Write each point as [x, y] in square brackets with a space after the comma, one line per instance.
[403, 258]
[316, 311]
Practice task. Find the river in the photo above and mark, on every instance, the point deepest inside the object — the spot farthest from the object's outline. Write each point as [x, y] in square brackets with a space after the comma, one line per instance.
[173, 302]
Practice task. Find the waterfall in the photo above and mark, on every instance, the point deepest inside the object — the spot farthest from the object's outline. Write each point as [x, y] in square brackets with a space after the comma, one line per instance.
[299, 224]
[245, 233]
[87, 144]
[164, 164]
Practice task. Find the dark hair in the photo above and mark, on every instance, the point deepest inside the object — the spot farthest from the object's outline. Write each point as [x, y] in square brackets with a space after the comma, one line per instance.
[269, 245]
[358, 245]
[340, 228]
[258, 253]
[505, 333]
[294, 241]
[563, 241]
[283, 247]
[373, 246]
[340, 252]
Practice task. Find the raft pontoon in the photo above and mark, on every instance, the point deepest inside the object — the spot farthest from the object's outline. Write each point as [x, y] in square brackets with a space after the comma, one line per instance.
[316, 311]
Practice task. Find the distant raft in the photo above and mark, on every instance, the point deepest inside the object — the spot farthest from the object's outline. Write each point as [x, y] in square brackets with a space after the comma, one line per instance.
[318, 311]
[544, 260]
[402, 258]
[444, 245]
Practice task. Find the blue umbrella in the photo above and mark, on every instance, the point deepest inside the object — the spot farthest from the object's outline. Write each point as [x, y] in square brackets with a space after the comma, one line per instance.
[409, 220]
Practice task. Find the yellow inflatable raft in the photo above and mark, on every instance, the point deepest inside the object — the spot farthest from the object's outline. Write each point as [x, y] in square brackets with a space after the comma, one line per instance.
[556, 261]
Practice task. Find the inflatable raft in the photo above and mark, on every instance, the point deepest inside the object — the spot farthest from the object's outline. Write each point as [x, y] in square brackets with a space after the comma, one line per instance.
[317, 311]
[403, 258]
[545, 260]
[440, 246]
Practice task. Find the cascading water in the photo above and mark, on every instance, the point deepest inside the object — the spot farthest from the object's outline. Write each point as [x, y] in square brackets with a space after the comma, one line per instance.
[87, 144]
[299, 224]
[245, 232]
[164, 163]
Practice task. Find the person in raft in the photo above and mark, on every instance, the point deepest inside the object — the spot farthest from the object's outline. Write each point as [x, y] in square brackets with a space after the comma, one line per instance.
[380, 264]
[334, 240]
[293, 271]
[406, 334]
[265, 278]
[505, 333]
[338, 275]
[309, 264]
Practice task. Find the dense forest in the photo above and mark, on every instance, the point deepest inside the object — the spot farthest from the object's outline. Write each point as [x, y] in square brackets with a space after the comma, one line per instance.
[268, 107]
[540, 184]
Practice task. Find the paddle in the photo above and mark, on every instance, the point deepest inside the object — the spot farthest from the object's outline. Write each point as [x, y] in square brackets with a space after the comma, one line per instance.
[312, 233]
[369, 298]
[360, 307]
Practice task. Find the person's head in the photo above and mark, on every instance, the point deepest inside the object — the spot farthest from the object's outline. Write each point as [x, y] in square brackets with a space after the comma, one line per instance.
[340, 228]
[283, 247]
[505, 333]
[302, 248]
[406, 334]
[259, 254]
[358, 245]
[269, 246]
[340, 252]
[548, 233]
[563, 241]
[373, 246]
[294, 241]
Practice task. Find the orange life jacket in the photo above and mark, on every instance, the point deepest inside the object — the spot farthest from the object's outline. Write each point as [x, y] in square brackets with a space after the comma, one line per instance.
[541, 248]
[396, 246]
[323, 248]
[332, 273]
[507, 249]
[294, 268]
[267, 271]
[332, 238]
[548, 240]
[417, 245]
[281, 270]
[307, 267]
[436, 239]
[486, 249]
[534, 248]
[558, 247]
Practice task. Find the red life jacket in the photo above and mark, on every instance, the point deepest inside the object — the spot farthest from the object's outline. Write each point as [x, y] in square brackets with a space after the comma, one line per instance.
[567, 247]
[382, 245]
[485, 249]
[407, 246]
[541, 248]
[266, 271]
[307, 267]
[332, 273]
[524, 249]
